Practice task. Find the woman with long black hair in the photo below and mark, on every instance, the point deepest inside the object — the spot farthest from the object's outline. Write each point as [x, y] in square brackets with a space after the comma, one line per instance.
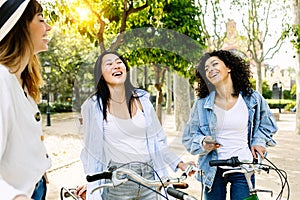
[120, 127]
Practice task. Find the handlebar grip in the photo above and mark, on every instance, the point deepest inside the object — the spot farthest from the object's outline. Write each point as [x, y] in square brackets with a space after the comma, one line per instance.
[176, 193]
[232, 162]
[102, 175]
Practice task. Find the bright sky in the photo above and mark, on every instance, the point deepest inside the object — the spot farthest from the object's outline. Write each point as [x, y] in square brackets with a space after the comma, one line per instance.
[284, 58]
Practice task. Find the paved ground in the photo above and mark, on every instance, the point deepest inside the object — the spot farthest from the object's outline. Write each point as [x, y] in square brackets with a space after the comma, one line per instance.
[63, 140]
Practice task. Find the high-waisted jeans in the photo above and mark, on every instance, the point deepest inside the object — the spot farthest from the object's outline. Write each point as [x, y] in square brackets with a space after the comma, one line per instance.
[238, 189]
[131, 190]
[40, 190]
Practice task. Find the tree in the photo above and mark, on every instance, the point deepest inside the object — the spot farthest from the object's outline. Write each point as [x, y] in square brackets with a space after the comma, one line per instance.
[184, 22]
[110, 24]
[212, 21]
[67, 57]
[258, 27]
[296, 43]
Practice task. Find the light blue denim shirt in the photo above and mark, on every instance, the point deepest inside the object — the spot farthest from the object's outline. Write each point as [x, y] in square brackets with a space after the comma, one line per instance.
[92, 155]
[202, 122]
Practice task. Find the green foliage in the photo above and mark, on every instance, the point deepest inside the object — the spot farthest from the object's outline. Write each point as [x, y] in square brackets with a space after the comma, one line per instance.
[71, 58]
[266, 92]
[282, 103]
[163, 47]
[253, 82]
[61, 107]
[293, 90]
[178, 45]
[112, 25]
[55, 107]
[296, 37]
[286, 94]
[289, 106]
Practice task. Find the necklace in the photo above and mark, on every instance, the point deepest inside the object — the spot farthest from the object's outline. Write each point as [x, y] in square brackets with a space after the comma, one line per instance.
[119, 102]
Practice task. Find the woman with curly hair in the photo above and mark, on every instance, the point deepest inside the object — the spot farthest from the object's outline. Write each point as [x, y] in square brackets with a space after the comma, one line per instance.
[228, 119]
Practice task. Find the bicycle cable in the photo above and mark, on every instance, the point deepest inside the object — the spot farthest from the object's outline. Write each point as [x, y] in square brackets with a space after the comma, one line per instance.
[284, 183]
[281, 173]
[155, 172]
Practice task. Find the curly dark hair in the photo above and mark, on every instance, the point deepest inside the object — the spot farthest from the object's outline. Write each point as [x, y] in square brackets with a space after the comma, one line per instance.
[240, 73]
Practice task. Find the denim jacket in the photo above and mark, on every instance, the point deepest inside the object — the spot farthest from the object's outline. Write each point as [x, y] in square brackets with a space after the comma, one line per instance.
[202, 122]
[92, 155]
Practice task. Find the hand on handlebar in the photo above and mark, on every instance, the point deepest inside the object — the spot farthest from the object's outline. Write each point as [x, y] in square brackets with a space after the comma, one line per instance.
[165, 181]
[81, 192]
[183, 166]
[258, 149]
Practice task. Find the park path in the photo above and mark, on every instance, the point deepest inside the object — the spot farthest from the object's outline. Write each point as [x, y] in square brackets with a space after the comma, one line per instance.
[63, 141]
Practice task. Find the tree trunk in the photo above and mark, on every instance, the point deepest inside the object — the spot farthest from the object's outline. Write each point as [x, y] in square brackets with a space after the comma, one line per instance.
[297, 21]
[169, 92]
[146, 83]
[133, 76]
[159, 80]
[259, 77]
[298, 96]
[182, 101]
[159, 98]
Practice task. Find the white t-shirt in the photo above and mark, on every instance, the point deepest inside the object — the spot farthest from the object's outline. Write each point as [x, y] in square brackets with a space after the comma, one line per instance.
[125, 139]
[23, 157]
[232, 131]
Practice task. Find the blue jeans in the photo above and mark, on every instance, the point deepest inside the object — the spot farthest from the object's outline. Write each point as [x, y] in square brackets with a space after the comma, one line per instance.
[40, 190]
[131, 190]
[238, 189]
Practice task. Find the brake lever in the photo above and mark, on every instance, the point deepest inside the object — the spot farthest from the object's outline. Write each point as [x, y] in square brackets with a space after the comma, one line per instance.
[188, 170]
[109, 185]
[114, 182]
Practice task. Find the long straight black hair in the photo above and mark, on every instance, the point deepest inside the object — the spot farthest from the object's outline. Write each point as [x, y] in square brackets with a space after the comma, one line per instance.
[102, 91]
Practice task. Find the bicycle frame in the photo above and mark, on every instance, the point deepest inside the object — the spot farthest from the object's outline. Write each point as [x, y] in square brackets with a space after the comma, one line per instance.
[252, 197]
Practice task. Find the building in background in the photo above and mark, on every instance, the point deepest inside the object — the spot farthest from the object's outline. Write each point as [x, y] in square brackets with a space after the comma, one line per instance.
[279, 78]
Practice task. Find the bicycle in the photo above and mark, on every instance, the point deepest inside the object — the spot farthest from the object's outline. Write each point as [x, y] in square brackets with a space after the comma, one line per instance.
[116, 176]
[248, 169]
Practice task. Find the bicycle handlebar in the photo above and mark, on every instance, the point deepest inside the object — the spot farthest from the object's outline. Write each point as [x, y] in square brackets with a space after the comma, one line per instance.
[95, 177]
[179, 194]
[113, 175]
[232, 162]
[249, 168]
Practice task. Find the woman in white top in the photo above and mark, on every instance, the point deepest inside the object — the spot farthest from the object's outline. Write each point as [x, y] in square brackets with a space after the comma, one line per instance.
[120, 126]
[228, 119]
[23, 157]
